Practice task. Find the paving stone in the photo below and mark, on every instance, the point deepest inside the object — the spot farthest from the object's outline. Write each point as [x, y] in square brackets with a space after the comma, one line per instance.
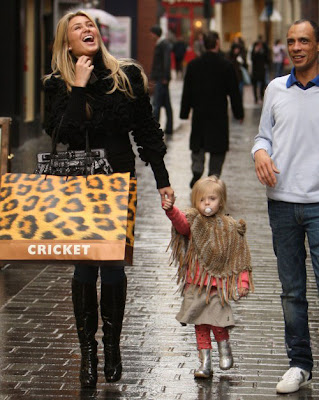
[39, 353]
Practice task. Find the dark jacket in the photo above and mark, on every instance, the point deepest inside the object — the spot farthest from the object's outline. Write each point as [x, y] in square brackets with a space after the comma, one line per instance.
[113, 116]
[208, 82]
[161, 67]
[260, 59]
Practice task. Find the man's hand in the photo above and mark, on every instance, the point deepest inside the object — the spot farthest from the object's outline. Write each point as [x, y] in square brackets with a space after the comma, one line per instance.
[265, 168]
[167, 193]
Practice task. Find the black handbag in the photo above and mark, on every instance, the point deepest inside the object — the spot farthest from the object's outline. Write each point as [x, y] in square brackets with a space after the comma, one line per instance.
[73, 162]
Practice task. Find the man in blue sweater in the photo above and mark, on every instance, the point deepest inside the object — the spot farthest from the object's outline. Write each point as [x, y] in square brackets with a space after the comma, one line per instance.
[287, 162]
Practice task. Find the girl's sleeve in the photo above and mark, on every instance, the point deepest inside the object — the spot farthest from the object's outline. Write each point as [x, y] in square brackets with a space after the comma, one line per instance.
[146, 131]
[65, 112]
[179, 221]
[243, 279]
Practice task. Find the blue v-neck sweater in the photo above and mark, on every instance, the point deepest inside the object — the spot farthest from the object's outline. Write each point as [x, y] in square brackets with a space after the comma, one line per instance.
[289, 132]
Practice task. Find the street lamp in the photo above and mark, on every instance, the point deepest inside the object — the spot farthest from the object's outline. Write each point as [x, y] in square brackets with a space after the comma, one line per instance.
[207, 11]
[269, 5]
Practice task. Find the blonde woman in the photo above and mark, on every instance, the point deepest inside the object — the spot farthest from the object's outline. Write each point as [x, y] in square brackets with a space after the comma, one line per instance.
[213, 261]
[94, 92]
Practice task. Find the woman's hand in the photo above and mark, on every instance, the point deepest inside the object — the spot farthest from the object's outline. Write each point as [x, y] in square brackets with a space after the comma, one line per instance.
[166, 193]
[83, 70]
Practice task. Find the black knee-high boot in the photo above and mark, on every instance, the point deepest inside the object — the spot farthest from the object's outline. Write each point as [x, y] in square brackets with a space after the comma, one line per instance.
[113, 299]
[85, 306]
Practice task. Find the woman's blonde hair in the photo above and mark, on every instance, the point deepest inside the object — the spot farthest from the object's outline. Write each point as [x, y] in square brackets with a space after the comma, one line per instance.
[63, 63]
[202, 186]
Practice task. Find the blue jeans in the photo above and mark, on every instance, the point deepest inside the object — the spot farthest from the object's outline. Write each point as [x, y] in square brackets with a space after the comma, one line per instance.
[161, 98]
[89, 273]
[290, 223]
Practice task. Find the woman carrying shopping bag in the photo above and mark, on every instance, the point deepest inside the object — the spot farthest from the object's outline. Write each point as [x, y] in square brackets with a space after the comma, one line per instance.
[107, 98]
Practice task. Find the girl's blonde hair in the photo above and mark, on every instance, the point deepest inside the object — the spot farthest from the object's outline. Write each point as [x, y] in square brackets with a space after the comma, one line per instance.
[63, 63]
[202, 186]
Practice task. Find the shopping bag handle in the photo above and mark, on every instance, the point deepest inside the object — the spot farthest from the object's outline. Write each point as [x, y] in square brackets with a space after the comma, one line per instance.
[55, 137]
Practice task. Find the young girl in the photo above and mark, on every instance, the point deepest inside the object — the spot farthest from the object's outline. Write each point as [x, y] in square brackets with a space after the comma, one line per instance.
[213, 260]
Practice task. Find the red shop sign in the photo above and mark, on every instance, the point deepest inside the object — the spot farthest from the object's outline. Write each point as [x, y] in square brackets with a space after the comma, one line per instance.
[183, 2]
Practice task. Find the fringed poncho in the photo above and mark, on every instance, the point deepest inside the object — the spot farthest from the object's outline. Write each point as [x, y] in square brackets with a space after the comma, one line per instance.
[218, 246]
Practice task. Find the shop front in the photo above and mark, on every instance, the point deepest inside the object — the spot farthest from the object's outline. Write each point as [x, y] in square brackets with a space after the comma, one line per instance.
[186, 18]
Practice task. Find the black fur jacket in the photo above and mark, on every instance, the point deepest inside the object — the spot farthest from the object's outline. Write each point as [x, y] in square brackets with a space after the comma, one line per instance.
[113, 117]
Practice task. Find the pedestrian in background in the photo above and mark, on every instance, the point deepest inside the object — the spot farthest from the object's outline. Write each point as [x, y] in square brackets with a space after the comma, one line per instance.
[213, 261]
[199, 47]
[240, 67]
[287, 162]
[179, 50]
[238, 40]
[278, 56]
[208, 82]
[260, 60]
[161, 75]
[89, 90]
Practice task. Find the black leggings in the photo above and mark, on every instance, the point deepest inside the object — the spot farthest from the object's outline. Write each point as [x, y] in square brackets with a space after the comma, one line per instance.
[89, 273]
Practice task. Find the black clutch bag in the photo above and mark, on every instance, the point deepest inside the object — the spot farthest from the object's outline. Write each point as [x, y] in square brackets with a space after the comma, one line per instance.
[73, 162]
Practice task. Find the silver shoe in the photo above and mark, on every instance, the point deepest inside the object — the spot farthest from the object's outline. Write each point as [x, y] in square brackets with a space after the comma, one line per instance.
[205, 370]
[226, 360]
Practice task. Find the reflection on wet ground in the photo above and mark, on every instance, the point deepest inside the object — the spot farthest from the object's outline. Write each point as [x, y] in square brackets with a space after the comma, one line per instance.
[14, 278]
[39, 354]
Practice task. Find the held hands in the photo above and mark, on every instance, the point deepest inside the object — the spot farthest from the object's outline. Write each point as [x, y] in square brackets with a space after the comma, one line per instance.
[166, 193]
[265, 168]
[167, 198]
[167, 204]
[83, 70]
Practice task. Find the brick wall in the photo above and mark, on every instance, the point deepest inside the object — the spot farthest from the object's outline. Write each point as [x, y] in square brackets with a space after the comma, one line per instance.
[146, 17]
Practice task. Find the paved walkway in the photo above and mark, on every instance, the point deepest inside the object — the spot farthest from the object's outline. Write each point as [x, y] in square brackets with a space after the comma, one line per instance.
[39, 354]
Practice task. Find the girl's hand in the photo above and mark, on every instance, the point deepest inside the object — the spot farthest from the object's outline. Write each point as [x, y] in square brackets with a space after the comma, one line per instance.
[83, 70]
[243, 292]
[167, 204]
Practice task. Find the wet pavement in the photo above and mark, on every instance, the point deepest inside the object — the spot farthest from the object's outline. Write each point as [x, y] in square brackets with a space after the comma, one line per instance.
[39, 354]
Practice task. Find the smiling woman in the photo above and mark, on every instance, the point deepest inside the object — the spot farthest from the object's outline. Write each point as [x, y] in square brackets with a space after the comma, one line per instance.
[82, 37]
[91, 92]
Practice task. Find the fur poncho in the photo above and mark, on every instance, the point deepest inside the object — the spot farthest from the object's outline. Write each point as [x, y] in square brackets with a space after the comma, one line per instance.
[218, 246]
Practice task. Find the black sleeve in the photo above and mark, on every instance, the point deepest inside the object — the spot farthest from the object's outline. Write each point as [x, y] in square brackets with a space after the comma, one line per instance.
[147, 133]
[167, 61]
[65, 113]
[186, 95]
[233, 92]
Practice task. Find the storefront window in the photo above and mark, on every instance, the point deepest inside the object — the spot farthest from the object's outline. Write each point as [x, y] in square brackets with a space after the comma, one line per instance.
[198, 12]
[184, 11]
